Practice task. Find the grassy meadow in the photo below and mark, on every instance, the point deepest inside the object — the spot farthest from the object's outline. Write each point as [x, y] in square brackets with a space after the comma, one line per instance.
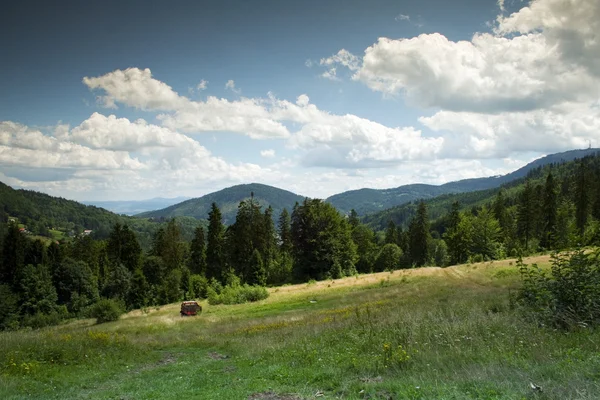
[427, 333]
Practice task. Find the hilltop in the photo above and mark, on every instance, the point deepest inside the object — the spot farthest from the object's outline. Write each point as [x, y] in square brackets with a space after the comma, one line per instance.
[228, 200]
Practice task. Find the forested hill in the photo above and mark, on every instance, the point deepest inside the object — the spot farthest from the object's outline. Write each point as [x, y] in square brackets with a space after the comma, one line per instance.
[367, 201]
[228, 201]
[55, 217]
[564, 169]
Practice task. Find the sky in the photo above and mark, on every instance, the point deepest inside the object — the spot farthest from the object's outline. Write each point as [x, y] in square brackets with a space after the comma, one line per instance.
[113, 100]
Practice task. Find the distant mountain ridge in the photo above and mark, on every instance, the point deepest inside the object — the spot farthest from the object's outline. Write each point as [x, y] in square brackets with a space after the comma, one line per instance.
[228, 200]
[132, 207]
[367, 201]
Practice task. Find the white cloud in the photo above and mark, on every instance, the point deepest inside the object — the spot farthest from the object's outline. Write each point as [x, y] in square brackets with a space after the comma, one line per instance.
[230, 85]
[270, 153]
[202, 85]
[136, 88]
[553, 58]
[246, 116]
[25, 147]
[118, 156]
[402, 17]
[499, 135]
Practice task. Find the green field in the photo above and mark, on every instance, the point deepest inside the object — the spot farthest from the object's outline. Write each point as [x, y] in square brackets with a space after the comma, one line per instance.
[426, 333]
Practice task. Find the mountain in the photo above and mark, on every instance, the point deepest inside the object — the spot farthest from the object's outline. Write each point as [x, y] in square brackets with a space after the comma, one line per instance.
[55, 217]
[367, 201]
[563, 167]
[132, 207]
[228, 200]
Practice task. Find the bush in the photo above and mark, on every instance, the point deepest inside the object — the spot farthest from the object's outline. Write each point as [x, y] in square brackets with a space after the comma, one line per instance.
[569, 296]
[107, 310]
[236, 294]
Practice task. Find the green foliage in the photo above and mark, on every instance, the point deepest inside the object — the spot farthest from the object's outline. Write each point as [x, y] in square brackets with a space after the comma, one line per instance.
[322, 241]
[107, 310]
[197, 260]
[215, 257]
[567, 297]
[389, 258]
[9, 309]
[419, 236]
[236, 294]
[38, 295]
[171, 287]
[198, 287]
[75, 284]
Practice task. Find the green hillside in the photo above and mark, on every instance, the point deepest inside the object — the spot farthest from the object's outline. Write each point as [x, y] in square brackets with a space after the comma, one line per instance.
[368, 201]
[228, 201]
[563, 168]
[56, 217]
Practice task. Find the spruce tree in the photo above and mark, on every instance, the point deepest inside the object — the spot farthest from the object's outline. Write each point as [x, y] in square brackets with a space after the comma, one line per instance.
[420, 236]
[525, 214]
[197, 261]
[391, 234]
[549, 211]
[215, 259]
[285, 231]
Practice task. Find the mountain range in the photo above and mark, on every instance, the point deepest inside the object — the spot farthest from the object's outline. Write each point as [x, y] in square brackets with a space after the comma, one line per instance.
[33, 206]
[364, 201]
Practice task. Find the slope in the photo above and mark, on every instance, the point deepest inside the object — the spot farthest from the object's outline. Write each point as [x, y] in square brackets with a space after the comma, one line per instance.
[367, 201]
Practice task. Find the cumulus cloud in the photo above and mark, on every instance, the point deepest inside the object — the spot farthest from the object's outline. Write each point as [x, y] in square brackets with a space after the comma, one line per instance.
[136, 88]
[118, 155]
[499, 135]
[543, 55]
[270, 153]
[402, 17]
[25, 147]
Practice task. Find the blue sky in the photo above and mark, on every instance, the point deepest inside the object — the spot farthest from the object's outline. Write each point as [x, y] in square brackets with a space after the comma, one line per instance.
[131, 100]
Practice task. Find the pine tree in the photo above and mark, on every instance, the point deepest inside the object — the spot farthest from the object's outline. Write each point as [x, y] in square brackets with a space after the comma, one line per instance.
[13, 255]
[420, 236]
[353, 219]
[549, 211]
[215, 260]
[458, 236]
[525, 214]
[391, 234]
[197, 261]
[285, 232]
[123, 247]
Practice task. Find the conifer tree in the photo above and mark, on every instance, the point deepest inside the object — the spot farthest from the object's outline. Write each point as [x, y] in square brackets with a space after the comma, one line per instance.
[215, 260]
[197, 261]
[525, 214]
[420, 236]
[391, 234]
[549, 211]
[285, 232]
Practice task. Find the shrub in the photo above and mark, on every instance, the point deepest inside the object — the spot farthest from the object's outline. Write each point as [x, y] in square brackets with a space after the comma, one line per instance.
[106, 310]
[569, 295]
[236, 294]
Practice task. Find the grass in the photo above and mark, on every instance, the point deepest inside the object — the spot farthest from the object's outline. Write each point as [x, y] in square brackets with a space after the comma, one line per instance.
[427, 333]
